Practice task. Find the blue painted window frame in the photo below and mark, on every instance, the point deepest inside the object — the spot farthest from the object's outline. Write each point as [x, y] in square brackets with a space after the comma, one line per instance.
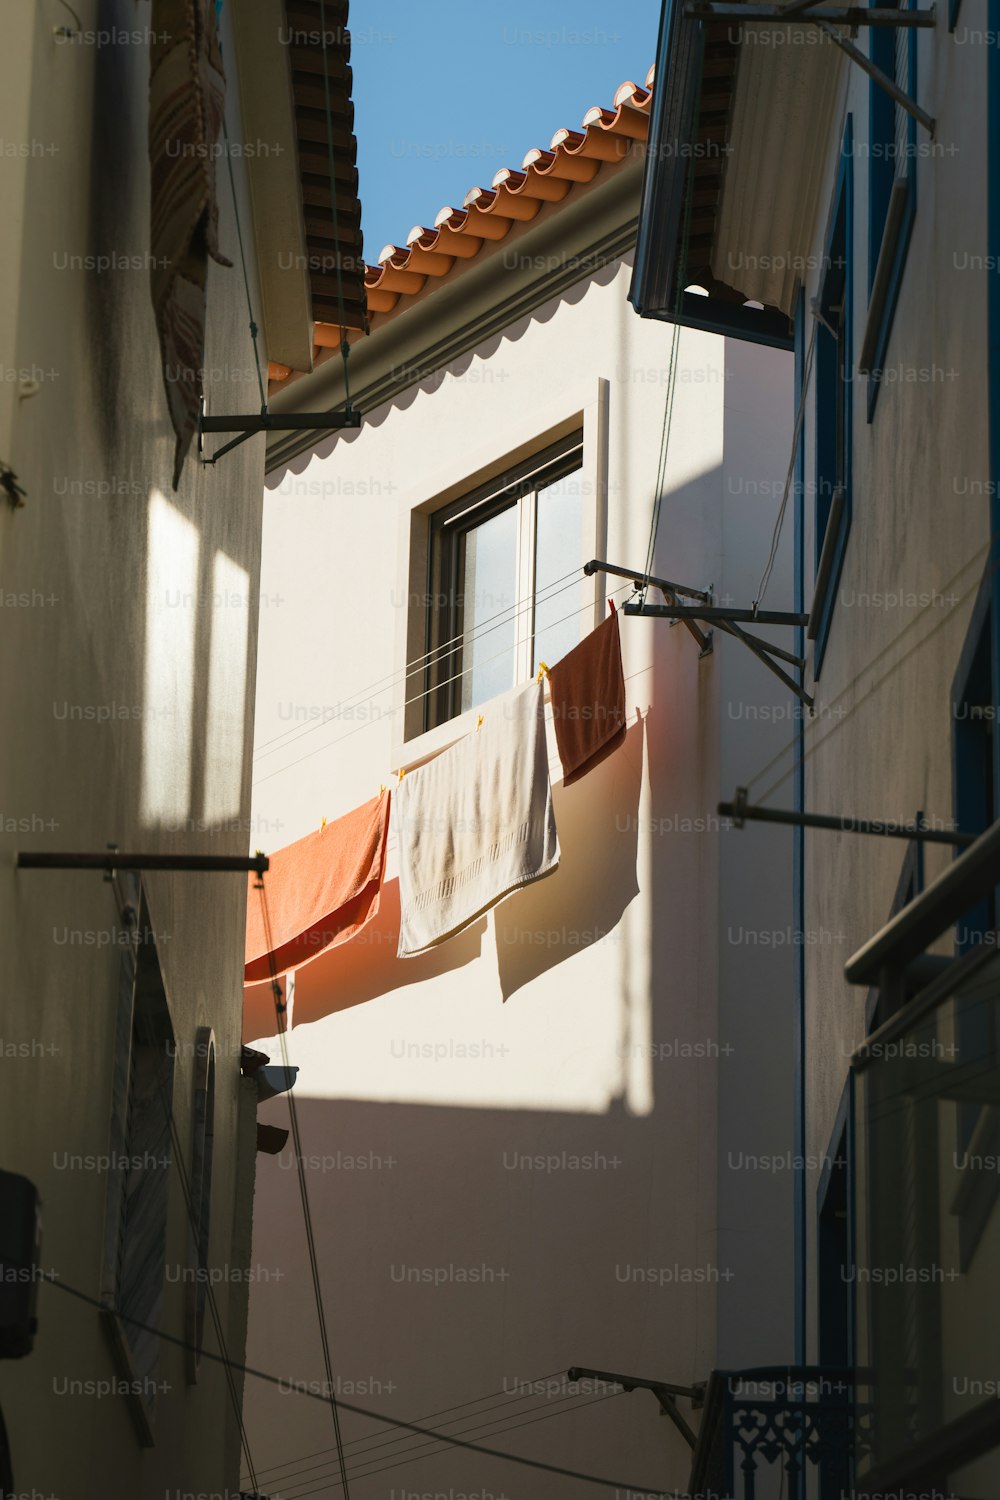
[954, 6]
[835, 363]
[881, 174]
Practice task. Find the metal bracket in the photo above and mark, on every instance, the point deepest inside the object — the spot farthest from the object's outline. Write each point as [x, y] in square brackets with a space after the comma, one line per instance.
[887, 84]
[731, 620]
[265, 421]
[668, 589]
[741, 812]
[643, 580]
[664, 1392]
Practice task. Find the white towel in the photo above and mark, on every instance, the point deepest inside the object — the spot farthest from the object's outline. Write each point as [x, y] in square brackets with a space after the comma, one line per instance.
[475, 823]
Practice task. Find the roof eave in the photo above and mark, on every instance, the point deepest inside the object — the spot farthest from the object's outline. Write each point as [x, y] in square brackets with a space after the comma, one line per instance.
[537, 262]
[268, 115]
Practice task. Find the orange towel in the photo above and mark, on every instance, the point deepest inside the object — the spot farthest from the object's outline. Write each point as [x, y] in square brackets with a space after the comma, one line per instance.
[321, 890]
[587, 689]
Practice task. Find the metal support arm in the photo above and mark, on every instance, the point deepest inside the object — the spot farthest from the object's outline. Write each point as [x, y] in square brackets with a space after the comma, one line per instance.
[809, 13]
[664, 1392]
[641, 580]
[248, 425]
[743, 812]
[113, 859]
[714, 615]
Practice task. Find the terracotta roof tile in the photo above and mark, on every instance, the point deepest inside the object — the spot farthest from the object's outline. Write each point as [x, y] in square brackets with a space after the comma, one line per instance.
[488, 214]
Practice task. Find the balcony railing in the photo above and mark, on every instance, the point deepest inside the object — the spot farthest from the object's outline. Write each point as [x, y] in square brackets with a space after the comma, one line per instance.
[780, 1430]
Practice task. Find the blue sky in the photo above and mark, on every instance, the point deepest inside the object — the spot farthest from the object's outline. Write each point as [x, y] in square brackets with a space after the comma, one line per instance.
[448, 91]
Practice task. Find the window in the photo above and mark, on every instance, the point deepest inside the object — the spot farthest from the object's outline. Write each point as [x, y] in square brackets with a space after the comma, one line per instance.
[203, 1137]
[892, 190]
[499, 562]
[834, 384]
[135, 1226]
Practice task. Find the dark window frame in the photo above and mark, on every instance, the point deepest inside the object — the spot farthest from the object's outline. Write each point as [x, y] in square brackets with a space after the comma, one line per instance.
[834, 394]
[449, 526]
[202, 1157]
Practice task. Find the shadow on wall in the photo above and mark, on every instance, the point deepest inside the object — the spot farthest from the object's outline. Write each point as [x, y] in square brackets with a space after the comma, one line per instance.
[361, 970]
[467, 1253]
[595, 881]
[455, 369]
[597, 821]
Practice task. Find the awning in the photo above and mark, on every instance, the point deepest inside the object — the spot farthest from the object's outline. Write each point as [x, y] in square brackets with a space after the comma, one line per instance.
[734, 166]
[320, 891]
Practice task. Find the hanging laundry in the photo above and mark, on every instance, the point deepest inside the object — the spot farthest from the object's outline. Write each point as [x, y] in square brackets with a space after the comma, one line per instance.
[587, 689]
[321, 890]
[187, 92]
[476, 822]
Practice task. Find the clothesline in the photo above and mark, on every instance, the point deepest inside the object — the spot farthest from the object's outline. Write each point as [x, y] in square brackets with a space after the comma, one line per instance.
[622, 588]
[430, 658]
[474, 823]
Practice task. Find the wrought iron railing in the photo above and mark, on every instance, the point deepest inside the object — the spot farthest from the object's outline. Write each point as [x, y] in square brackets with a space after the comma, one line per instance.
[779, 1430]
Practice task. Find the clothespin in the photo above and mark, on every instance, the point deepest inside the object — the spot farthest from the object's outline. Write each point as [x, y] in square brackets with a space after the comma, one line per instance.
[480, 722]
[543, 671]
[402, 773]
[322, 825]
[381, 788]
[612, 607]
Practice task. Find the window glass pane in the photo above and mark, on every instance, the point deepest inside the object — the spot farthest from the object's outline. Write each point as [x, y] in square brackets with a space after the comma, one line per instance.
[558, 527]
[487, 577]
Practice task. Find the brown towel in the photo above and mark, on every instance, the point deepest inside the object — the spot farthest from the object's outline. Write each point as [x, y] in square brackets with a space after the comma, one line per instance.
[588, 701]
[187, 90]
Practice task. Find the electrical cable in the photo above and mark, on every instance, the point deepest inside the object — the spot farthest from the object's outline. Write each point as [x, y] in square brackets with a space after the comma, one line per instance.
[668, 409]
[243, 263]
[478, 1426]
[851, 686]
[611, 1396]
[279, 1010]
[650, 1492]
[796, 435]
[427, 1417]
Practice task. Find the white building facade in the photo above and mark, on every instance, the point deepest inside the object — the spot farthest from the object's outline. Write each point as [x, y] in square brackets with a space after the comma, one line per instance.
[514, 1142]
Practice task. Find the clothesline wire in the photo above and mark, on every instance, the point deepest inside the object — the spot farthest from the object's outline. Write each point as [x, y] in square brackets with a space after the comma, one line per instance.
[437, 1450]
[478, 1426]
[491, 1397]
[849, 713]
[385, 683]
[852, 684]
[53, 1279]
[415, 699]
[293, 1115]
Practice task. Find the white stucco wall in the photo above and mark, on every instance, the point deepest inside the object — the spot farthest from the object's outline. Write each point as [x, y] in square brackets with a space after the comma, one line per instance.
[618, 1010]
[127, 655]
